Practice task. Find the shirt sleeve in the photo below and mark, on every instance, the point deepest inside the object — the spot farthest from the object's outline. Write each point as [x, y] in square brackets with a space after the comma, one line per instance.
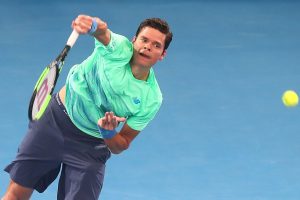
[140, 121]
[119, 48]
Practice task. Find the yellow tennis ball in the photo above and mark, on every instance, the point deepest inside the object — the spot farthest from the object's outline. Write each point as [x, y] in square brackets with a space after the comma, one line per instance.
[290, 98]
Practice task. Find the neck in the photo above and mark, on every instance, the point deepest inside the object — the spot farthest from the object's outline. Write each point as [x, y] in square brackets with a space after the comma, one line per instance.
[140, 72]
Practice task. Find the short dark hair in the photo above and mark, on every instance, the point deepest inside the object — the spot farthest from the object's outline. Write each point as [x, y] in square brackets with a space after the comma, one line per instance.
[158, 24]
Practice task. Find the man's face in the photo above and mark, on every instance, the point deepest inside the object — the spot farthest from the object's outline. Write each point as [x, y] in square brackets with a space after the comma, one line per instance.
[148, 47]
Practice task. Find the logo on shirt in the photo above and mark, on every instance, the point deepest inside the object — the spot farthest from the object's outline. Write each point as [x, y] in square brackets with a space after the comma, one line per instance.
[136, 100]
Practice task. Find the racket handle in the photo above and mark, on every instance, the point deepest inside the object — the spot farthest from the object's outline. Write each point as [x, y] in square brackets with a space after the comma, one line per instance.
[72, 39]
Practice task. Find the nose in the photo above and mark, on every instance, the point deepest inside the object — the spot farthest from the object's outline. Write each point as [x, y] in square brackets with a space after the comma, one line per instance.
[147, 47]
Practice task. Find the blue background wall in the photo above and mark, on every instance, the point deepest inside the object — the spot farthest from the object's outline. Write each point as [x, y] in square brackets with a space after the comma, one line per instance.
[222, 132]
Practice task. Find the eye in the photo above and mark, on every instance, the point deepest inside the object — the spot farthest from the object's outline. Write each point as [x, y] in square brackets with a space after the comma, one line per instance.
[157, 45]
[144, 40]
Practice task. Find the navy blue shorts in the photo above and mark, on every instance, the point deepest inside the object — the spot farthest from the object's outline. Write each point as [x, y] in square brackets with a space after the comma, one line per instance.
[53, 144]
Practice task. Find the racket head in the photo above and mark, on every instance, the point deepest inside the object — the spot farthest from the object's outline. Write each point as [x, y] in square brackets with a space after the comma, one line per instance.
[46, 83]
[42, 91]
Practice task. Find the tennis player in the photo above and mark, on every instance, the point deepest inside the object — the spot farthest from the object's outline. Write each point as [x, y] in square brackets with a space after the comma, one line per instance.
[77, 133]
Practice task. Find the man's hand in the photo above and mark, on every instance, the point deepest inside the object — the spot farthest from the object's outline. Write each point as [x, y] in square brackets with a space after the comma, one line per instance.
[116, 142]
[110, 121]
[83, 23]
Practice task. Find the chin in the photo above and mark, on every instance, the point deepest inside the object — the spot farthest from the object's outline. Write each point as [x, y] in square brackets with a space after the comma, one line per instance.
[143, 62]
[145, 65]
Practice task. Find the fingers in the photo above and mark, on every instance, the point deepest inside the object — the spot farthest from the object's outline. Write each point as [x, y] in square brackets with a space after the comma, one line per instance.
[82, 24]
[110, 121]
[120, 119]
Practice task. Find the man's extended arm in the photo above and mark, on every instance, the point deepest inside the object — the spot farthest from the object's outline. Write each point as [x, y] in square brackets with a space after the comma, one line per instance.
[83, 23]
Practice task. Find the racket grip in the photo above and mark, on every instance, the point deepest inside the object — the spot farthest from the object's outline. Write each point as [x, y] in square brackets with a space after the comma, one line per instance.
[72, 39]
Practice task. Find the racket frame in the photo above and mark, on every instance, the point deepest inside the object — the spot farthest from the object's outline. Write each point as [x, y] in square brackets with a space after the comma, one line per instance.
[57, 64]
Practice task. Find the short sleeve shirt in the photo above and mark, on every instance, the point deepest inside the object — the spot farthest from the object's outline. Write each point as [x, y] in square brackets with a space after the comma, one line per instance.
[104, 82]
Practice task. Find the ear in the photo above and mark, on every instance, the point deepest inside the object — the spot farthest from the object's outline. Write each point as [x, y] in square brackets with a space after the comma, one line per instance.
[133, 39]
[163, 55]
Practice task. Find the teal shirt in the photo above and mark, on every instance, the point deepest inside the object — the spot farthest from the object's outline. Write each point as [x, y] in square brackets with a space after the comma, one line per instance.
[104, 82]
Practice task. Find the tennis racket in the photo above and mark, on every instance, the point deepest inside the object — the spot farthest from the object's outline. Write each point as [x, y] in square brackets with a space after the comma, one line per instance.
[45, 85]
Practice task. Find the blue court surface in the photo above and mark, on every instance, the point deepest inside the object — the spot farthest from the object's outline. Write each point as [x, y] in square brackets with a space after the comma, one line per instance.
[222, 132]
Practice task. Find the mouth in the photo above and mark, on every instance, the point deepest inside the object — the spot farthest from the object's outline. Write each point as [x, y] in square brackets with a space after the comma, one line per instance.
[144, 55]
